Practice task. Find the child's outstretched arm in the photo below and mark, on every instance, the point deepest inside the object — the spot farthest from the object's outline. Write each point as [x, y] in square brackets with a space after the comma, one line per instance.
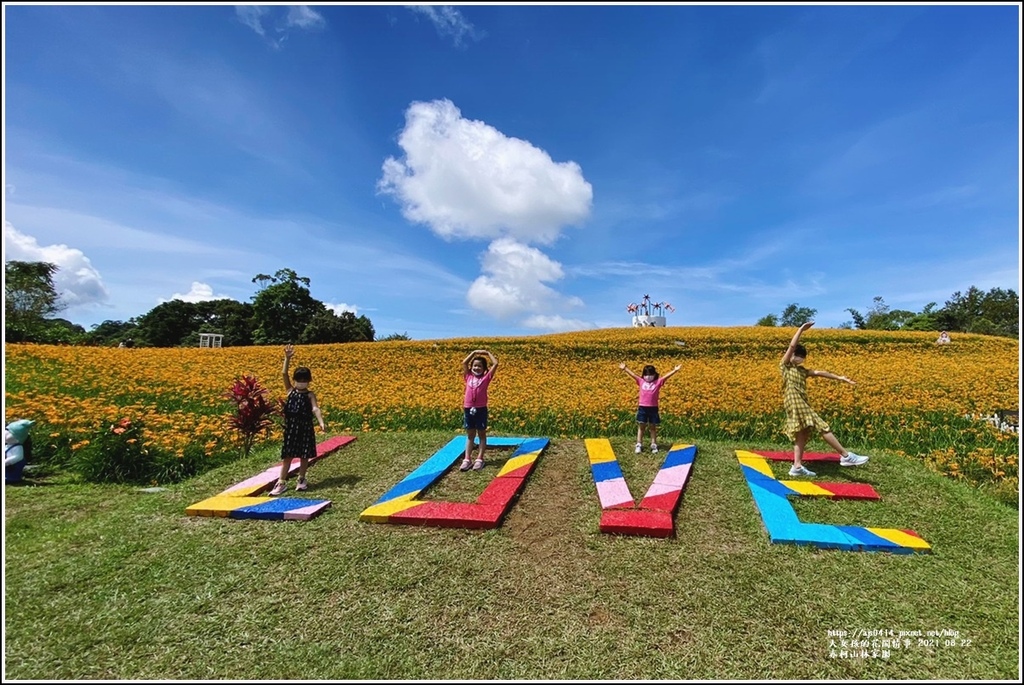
[289, 350]
[788, 356]
[627, 370]
[494, 360]
[673, 371]
[831, 376]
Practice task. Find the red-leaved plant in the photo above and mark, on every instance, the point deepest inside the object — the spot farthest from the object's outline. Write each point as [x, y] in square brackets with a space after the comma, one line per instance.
[254, 410]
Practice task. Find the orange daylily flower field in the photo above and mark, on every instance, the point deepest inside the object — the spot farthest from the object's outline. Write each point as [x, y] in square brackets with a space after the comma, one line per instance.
[913, 398]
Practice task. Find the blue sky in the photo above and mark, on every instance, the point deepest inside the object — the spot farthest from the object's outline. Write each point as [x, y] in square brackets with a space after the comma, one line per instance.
[455, 171]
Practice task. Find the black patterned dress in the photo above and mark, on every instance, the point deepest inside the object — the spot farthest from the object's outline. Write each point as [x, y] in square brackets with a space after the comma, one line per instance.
[299, 438]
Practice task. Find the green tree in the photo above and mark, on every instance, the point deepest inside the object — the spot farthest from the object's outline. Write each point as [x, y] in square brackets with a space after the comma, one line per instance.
[997, 312]
[328, 327]
[111, 332]
[795, 316]
[768, 320]
[405, 336]
[282, 311]
[29, 299]
[168, 324]
[230, 318]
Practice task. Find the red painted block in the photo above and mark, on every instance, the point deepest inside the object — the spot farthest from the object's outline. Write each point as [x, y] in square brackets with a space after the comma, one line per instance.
[788, 456]
[657, 524]
[500, 491]
[850, 490]
[666, 501]
[330, 445]
[449, 515]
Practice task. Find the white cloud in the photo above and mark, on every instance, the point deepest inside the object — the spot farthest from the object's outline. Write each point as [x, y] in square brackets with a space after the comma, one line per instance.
[448, 21]
[556, 323]
[466, 179]
[304, 18]
[513, 282]
[252, 16]
[342, 307]
[76, 281]
[260, 18]
[200, 292]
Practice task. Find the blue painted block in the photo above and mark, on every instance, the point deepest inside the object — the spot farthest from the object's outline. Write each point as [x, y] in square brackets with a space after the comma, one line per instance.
[874, 543]
[272, 510]
[409, 484]
[528, 446]
[776, 511]
[820, 535]
[680, 457]
[770, 484]
[606, 470]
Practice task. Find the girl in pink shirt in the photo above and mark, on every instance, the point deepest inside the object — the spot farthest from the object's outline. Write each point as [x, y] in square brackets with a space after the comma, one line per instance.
[477, 378]
[647, 409]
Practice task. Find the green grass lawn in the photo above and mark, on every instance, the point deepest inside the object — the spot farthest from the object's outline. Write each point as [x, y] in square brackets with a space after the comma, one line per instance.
[108, 582]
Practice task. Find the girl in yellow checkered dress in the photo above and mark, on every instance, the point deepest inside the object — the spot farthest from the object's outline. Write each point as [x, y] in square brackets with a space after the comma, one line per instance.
[800, 418]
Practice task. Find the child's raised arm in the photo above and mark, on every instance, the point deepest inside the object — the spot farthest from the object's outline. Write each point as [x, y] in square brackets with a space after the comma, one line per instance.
[289, 350]
[788, 356]
[673, 371]
[627, 370]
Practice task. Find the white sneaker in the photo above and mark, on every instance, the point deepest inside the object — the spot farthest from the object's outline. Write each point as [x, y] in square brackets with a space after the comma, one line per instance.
[654, 447]
[639, 448]
[278, 489]
[301, 485]
[801, 471]
[852, 459]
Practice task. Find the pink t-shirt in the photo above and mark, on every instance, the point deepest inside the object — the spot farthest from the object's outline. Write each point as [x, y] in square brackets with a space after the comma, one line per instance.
[476, 389]
[649, 391]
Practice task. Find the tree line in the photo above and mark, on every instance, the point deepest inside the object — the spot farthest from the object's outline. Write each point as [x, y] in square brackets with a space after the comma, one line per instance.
[996, 312]
[282, 311]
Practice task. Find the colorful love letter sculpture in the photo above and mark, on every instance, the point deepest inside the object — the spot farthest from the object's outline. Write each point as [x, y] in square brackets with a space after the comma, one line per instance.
[654, 516]
[401, 504]
[784, 527]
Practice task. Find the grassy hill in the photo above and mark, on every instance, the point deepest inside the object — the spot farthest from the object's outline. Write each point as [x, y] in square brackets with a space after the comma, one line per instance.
[110, 582]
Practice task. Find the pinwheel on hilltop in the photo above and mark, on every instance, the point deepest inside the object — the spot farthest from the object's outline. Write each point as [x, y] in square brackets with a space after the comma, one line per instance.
[647, 312]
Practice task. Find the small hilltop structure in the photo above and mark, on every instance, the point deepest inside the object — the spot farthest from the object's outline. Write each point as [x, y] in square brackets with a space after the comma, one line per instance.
[648, 313]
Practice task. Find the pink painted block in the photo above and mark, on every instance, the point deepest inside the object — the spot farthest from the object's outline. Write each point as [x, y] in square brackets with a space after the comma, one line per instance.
[614, 493]
[306, 513]
[500, 491]
[656, 524]
[788, 456]
[851, 490]
[252, 487]
[674, 475]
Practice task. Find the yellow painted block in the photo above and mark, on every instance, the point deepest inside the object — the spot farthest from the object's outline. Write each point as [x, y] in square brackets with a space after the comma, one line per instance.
[900, 538]
[379, 513]
[756, 462]
[599, 450]
[807, 488]
[518, 462]
[222, 505]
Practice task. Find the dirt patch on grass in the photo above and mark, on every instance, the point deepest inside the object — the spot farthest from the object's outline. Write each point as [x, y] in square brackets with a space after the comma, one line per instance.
[540, 519]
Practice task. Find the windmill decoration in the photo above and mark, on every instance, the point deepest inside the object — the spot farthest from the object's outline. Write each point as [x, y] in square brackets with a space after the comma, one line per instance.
[648, 313]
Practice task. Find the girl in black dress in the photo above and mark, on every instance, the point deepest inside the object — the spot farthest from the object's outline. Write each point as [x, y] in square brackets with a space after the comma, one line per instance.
[299, 409]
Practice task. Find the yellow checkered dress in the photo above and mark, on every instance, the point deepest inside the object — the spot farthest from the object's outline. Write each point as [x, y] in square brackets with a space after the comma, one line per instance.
[799, 414]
